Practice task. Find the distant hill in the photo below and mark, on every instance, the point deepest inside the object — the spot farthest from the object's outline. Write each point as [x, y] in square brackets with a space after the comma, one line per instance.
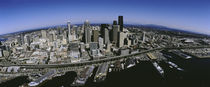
[160, 27]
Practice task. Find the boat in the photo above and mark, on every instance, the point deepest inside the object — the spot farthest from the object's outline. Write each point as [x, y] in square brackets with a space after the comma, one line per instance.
[42, 78]
[130, 63]
[110, 69]
[168, 56]
[179, 53]
[173, 65]
[160, 70]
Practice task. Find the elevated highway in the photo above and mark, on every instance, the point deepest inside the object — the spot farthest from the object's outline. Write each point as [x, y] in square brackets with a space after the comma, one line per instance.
[108, 59]
[62, 68]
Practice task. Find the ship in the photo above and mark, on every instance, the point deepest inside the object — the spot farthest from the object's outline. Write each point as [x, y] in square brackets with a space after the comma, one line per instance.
[159, 69]
[179, 53]
[168, 56]
[42, 78]
[130, 63]
[173, 65]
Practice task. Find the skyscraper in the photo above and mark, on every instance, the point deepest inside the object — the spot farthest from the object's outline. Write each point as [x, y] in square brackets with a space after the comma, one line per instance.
[1, 53]
[115, 30]
[106, 36]
[143, 37]
[22, 38]
[51, 37]
[19, 40]
[69, 30]
[59, 30]
[103, 26]
[44, 34]
[95, 35]
[115, 22]
[87, 31]
[76, 31]
[121, 36]
[27, 40]
[120, 22]
[101, 43]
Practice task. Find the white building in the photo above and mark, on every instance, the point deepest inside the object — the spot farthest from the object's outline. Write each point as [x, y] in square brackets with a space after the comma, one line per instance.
[121, 39]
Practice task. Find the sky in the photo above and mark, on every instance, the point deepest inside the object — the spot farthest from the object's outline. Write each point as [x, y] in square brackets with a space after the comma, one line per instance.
[189, 15]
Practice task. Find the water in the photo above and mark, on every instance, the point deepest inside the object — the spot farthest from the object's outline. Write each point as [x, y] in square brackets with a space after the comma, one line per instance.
[15, 82]
[65, 80]
[196, 74]
[144, 74]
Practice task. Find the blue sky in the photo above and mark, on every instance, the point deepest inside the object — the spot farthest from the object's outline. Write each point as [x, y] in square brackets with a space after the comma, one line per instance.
[190, 15]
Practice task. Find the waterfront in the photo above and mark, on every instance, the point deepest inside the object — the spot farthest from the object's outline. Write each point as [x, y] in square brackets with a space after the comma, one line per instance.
[142, 74]
[196, 73]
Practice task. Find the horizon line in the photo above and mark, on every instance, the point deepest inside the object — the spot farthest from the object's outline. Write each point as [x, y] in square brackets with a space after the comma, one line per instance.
[57, 25]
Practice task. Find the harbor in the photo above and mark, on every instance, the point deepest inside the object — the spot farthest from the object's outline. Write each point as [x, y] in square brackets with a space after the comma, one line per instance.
[174, 74]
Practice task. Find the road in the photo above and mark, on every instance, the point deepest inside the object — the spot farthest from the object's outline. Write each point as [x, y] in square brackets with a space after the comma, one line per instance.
[98, 61]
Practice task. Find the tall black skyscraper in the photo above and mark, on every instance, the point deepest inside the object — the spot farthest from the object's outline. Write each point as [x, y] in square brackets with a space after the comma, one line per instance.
[120, 22]
[103, 26]
[115, 22]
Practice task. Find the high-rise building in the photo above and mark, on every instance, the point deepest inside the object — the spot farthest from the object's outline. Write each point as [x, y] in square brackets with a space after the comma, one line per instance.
[74, 50]
[95, 35]
[76, 31]
[51, 37]
[54, 35]
[121, 36]
[87, 32]
[115, 22]
[115, 31]
[22, 38]
[106, 36]
[101, 43]
[143, 38]
[19, 40]
[103, 26]
[69, 31]
[120, 22]
[60, 31]
[1, 53]
[44, 34]
[27, 40]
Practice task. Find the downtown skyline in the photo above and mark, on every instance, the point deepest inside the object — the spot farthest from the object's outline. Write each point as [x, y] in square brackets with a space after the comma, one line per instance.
[47, 43]
[18, 15]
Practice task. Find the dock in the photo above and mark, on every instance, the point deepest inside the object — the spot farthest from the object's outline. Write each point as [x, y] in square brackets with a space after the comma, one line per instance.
[101, 72]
